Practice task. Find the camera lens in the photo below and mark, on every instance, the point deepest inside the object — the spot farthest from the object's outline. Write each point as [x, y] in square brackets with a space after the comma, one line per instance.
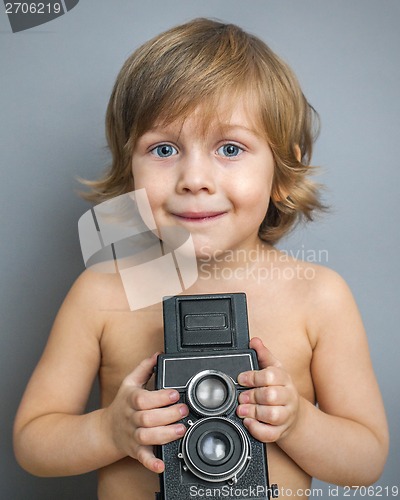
[211, 392]
[215, 449]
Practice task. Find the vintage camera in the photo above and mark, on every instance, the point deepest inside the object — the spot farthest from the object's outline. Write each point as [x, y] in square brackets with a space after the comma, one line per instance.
[206, 347]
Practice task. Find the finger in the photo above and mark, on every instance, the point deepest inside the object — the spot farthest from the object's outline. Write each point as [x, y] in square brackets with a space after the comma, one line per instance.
[261, 378]
[273, 415]
[263, 432]
[264, 355]
[270, 395]
[160, 416]
[146, 457]
[143, 372]
[142, 399]
[158, 435]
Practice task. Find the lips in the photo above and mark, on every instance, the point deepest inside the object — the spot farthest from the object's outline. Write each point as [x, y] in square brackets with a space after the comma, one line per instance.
[199, 216]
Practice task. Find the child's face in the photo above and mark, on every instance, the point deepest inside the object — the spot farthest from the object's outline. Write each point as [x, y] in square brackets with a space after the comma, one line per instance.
[216, 185]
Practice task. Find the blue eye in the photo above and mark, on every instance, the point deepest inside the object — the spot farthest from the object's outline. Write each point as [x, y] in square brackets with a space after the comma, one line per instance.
[229, 150]
[164, 151]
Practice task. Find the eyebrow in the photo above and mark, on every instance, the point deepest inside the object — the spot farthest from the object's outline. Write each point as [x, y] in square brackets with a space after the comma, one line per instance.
[235, 126]
[225, 126]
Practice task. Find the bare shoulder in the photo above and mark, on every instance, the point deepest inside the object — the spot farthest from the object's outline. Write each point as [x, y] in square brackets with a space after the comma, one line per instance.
[86, 308]
[321, 292]
[316, 281]
[333, 320]
[330, 300]
[99, 291]
[325, 287]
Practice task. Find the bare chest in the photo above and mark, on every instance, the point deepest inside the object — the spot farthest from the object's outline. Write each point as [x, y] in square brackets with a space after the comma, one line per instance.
[129, 337]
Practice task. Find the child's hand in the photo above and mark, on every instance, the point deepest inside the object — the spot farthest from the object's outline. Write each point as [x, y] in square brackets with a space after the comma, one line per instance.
[270, 409]
[139, 419]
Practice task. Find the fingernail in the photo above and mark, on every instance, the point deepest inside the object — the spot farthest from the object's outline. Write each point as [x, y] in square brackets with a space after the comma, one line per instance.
[180, 429]
[158, 466]
[242, 379]
[174, 396]
[243, 411]
[183, 410]
[244, 398]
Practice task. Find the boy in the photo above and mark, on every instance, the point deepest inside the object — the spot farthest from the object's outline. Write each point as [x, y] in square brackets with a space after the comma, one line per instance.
[214, 126]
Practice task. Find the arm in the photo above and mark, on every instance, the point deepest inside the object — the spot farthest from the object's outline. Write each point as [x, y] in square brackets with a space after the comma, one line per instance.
[52, 435]
[345, 439]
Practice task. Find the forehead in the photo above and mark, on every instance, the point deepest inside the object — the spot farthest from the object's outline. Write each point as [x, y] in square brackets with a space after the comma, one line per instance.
[224, 113]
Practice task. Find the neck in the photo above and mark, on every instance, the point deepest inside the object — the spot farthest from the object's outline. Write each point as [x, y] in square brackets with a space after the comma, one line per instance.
[232, 270]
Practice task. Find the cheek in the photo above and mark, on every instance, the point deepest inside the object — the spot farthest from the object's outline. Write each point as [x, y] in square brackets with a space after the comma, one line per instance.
[143, 179]
[255, 199]
[255, 189]
[156, 190]
[138, 176]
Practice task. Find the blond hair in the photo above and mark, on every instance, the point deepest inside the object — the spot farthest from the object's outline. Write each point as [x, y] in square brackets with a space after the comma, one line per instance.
[193, 65]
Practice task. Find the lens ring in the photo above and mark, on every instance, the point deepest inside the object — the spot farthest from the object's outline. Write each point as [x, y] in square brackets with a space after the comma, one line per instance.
[217, 387]
[216, 471]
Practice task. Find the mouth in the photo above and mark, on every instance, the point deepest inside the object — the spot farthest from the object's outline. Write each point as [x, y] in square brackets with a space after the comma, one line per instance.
[198, 217]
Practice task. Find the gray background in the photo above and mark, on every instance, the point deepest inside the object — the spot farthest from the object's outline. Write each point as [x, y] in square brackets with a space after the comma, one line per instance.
[55, 83]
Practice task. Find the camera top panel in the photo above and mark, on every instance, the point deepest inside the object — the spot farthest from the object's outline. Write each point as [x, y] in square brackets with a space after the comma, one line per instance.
[205, 323]
[202, 322]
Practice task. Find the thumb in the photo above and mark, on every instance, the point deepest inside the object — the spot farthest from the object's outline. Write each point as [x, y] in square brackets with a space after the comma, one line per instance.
[143, 372]
[264, 355]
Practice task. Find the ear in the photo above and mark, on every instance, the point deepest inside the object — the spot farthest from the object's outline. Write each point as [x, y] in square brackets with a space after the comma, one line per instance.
[297, 152]
[280, 194]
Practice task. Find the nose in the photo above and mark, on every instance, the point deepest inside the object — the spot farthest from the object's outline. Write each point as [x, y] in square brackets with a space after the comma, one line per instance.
[196, 174]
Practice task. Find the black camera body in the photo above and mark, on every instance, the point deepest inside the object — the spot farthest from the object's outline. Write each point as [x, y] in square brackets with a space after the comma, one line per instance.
[206, 347]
